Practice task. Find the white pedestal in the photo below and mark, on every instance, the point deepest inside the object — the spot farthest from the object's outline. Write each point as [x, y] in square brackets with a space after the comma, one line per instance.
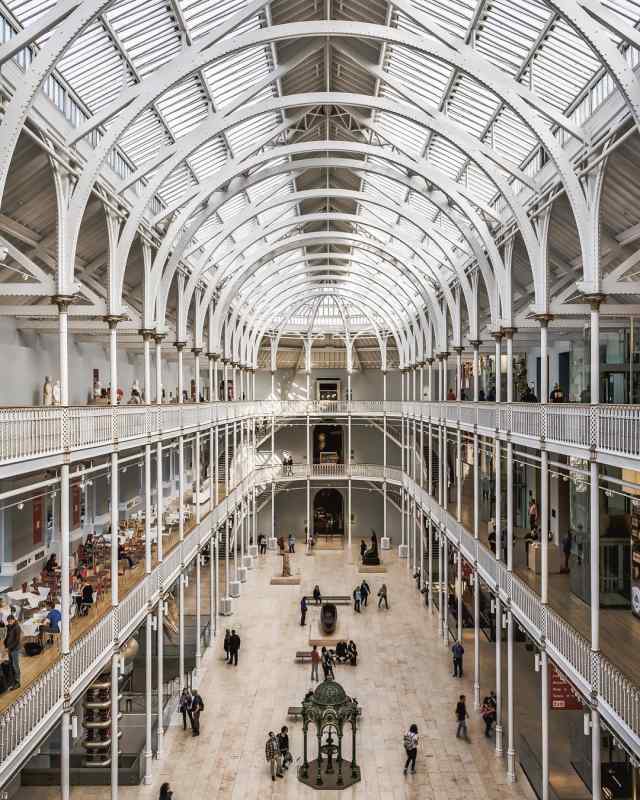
[225, 607]
[272, 543]
[248, 562]
[253, 550]
[403, 550]
[234, 588]
[385, 543]
[242, 574]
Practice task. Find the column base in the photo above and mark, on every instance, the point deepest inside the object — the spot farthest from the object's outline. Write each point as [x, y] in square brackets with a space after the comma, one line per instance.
[385, 543]
[226, 609]
[248, 562]
[511, 766]
[272, 543]
[148, 777]
[403, 551]
[253, 550]
[498, 730]
[242, 574]
[476, 696]
[234, 588]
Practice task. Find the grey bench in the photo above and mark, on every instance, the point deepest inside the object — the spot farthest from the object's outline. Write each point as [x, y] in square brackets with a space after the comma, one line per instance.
[338, 600]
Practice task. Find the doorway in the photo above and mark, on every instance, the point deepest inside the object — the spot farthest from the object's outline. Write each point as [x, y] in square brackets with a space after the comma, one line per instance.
[328, 513]
[327, 444]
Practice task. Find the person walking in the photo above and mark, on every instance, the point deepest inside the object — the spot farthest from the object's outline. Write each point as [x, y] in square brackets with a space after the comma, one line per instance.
[365, 591]
[272, 753]
[165, 792]
[411, 748]
[292, 543]
[315, 661]
[12, 644]
[458, 653]
[356, 599]
[382, 597]
[283, 745]
[234, 647]
[184, 707]
[461, 717]
[197, 707]
[227, 639]
[262, 544]
[488, 714]
[303, 610]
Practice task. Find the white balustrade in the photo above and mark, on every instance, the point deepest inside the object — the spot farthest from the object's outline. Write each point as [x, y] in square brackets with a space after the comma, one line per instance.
[29, 433]
[90, 426]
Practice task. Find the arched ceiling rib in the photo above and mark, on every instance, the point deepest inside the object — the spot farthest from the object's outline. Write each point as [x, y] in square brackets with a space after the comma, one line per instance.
[322, 147]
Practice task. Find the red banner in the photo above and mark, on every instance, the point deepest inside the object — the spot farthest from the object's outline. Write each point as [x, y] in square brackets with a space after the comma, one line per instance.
[562, 695]
[76, 500]
[37, 506]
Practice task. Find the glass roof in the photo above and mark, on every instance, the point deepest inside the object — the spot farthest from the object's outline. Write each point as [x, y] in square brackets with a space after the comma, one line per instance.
[403, 228]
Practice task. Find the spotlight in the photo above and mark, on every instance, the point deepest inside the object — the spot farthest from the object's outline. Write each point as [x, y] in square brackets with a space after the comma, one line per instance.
[20, 506]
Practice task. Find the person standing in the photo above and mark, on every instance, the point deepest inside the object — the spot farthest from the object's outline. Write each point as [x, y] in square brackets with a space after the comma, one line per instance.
[365, 591]
[227, 639]
[363, 549]
[184, 707]
[356, 599]
[283, 746]
[382, 597]
[234, 647]
[411, 748]
[197, 707]
[533, 514]
[461, 717]
[303, 610]
[488, 714]
[315, 661]
[12, 644]
[165, 792]
[292, 543]
[272, 753]
[327, 664]
[458, 652]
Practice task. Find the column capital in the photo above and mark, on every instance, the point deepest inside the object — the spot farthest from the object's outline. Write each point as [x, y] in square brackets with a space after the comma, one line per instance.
[475, 343]
[213, 356]
[421, 364]
[179, 345]
[159, 337]
[497, 335]
[595, 300]
[113, 319]
[441, 356]
[234, 364]
[458, 349]
[63, 301]
[543, 319]
[430, 360]
[196, 351]
[147, 334]
[508, 332]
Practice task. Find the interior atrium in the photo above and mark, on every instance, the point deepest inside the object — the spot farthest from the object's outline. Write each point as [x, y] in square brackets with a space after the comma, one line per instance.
[320, 294]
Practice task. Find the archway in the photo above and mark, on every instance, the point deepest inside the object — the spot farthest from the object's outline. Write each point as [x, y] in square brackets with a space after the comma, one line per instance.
[328, 513]
[327, 444]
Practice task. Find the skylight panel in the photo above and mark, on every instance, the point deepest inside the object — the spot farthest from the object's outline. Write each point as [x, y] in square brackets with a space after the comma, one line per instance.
[511, 137]
[28, 11]
[405, 134]
[142, 140]
[508, 30]
[268, 187]
[148, 33]
[471, 106]
[453, 17]
[446, 156]
[209, 158]
[184, 107]
[232, 207]
[177, 183]
[244, 137]
[231, 77]
[423, 77]
[202, 16]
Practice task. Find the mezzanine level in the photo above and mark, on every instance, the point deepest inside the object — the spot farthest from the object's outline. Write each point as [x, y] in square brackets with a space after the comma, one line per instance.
[32, 438]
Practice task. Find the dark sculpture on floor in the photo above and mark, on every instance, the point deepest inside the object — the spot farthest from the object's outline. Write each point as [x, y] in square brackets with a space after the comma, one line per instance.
[329, 710]
[371, 557]
[328, 618]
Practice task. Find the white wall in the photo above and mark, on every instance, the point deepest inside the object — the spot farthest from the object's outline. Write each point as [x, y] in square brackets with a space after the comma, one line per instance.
[292, 385]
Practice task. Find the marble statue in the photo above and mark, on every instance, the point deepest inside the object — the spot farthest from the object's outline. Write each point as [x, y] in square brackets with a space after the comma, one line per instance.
[97, 389]
[57, 393]
[47, 392]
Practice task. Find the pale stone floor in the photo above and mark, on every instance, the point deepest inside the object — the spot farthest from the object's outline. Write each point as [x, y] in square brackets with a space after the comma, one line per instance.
[403, 676]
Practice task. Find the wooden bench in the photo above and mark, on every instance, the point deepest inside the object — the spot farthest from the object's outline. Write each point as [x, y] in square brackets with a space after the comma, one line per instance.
[303, 656]
[338, 600]
[295, 712]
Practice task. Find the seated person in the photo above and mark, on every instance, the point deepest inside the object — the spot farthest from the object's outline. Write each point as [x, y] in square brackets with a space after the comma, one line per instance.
[35, 585]
[52, 565]
[86, 598]
[341, 651]
[123, 556]
[317, 596]
[90, 541]
[352, 653]
[54, 618]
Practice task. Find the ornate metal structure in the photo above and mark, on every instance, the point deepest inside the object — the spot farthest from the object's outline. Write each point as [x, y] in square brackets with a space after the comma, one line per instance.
[329, 709]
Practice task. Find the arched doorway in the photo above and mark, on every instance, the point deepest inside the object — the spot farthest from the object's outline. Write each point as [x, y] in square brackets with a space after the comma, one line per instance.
[328, 514]
[327, 444]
